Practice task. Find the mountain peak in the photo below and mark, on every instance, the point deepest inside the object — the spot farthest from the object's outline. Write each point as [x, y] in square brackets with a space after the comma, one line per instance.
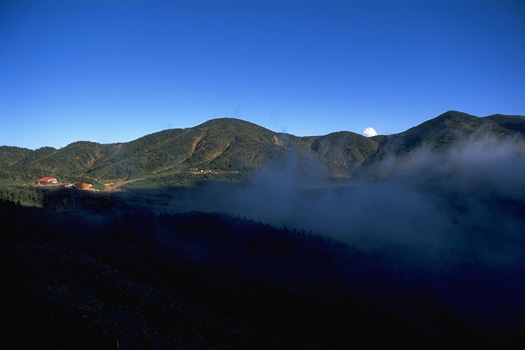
[235, 146]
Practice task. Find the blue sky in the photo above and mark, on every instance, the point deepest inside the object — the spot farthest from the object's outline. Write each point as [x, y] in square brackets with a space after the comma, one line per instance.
[112, 71]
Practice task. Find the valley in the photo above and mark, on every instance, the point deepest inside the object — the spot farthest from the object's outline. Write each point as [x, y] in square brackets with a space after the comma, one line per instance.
[228, 235]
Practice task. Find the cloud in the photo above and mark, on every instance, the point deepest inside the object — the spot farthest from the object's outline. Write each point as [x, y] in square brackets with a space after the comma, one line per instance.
[369, 132]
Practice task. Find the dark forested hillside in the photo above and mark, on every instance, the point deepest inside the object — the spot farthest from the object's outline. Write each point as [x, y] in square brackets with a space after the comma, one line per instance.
[107, 271]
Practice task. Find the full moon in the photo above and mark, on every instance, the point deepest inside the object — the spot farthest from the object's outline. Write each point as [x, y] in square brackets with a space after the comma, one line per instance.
[369, 132]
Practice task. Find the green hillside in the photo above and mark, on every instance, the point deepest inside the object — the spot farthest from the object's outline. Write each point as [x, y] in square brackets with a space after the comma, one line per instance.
[447, 130]
[344, 151]
[510, 123]
[231, 149]
[228, 147]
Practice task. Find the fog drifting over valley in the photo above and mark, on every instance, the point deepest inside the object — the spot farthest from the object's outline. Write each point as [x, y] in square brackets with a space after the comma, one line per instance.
[468, 197]
[449, 223]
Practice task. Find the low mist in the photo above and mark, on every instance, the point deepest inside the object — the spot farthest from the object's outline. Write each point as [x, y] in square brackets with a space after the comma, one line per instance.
[449, 222]
[470, 197]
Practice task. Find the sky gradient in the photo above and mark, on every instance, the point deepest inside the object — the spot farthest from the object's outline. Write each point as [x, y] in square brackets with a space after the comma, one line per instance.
[112, 71]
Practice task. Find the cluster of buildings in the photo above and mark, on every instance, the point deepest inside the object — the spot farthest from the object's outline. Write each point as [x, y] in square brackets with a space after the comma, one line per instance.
[202, 171]
[52, 181]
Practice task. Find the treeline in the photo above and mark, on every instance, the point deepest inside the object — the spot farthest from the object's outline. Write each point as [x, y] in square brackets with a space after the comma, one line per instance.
[51, 197]
[26, 195]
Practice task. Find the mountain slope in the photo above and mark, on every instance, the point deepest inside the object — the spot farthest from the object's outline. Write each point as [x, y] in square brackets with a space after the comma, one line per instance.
[344, 151]
[511, 123]
[229, 145]
[221, 144]
[447, 130]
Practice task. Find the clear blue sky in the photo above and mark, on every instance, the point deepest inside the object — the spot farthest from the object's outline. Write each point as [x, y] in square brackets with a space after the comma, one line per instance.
[112, 71]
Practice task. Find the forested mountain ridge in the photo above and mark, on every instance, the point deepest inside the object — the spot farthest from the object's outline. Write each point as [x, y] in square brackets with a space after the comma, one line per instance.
[448, 129]
[234, 148]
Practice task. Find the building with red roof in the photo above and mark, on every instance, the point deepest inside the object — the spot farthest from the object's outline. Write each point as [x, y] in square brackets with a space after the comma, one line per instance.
[48, 180]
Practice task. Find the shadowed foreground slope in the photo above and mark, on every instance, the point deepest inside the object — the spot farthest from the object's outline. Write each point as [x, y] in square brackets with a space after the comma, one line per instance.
[111, 276]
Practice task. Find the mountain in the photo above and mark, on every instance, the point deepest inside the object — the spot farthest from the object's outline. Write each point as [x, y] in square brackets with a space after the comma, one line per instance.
[233, 148]
[344, 151]
[448, 129]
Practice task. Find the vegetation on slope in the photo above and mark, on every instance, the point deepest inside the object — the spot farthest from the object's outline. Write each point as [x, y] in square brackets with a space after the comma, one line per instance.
[344, 151]
[233, 149]
[445, 132]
